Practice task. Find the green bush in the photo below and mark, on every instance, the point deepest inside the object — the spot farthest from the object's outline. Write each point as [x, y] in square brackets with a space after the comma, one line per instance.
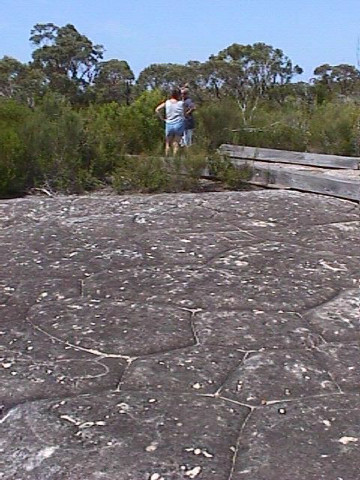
[274, 126]
[13, 171]
[333, 128]
[140, 174]
[55, 142]
[281, 127]
[158, 174]
[72, 149]
[105, 138]
[222, 169]
[142, 131]
[216, 122]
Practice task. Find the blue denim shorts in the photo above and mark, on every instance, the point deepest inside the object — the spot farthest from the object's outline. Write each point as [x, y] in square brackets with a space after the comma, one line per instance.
[174, 129]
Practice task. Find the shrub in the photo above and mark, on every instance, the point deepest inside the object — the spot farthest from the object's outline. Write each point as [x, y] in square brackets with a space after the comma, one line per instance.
[222, 169]
[13, 171]
[55, 139]
[222, 122]
[216, 123]
[142, 131]
[333, 128]
[141, 174]
[105, 139]
[157, 174]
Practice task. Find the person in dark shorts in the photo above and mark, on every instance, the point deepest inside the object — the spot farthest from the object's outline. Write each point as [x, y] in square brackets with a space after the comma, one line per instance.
[189, 107]
[174, 120]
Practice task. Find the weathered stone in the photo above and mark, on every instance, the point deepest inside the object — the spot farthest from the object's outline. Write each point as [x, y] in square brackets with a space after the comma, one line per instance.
[37, 290]
[144, 284]
[340, 238]
[114, 329]
[122, 437]
[7, 288]
[313, 439]
[213, 288]
[196, 369]
[193, 248]
[169, 337]
[342, 362]
[251, 329]
[338, 319]
[34, 365]
[272, 376]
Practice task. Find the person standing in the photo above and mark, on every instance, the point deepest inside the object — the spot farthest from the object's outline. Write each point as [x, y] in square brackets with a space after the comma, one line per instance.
[174, 120]
[189, 108]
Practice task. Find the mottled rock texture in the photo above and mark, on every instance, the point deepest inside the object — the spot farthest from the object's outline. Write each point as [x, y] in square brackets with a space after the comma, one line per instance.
[209, 336]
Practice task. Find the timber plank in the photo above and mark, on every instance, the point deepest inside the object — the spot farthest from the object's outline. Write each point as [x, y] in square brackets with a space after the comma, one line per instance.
[317, 180]
[284, 156]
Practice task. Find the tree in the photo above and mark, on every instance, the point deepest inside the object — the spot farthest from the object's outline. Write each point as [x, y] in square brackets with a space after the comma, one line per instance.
[10, 71]
[13, 165]
[67, 58]
[20, 81]
[161, 76]
[113, 82]
[201, 80]
[249, 71]
[343, 78]
[165, 76]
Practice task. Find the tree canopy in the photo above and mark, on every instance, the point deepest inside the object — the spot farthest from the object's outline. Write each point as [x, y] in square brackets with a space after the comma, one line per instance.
[68, 62]
[86, 112]
[67, 58]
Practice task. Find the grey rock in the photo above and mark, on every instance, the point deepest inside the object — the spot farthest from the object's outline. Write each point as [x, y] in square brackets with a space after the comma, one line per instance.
[190, 336]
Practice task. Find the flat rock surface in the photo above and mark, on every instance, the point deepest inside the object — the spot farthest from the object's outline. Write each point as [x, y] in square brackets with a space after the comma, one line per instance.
[211, 336]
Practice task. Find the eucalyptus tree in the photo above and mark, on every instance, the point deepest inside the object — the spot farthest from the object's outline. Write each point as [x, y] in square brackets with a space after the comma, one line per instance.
[67, 57]
[165, 76]
[113, 81]
[20, 81]
[203, 83]
[10, 71]
[161, 76]
[343, 79]
[248, 72]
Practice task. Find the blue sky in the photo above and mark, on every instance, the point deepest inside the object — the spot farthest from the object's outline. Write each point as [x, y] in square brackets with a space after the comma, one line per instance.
[310, 32]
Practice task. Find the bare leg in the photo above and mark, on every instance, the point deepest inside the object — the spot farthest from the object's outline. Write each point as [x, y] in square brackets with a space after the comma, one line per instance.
[175, 147]
[176, 144]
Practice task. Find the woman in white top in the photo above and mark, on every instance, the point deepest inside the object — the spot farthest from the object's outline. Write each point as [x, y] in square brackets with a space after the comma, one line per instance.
[174, 120]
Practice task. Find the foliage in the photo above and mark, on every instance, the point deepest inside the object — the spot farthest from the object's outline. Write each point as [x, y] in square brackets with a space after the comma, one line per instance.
[247, 72]
[333, 129]
[141, 174]
[222, 169]
[20, 82]
[113, 82]
[67, 57]
[141, 129]
[217, 122]
[343, 78]
[70, 121]
[12, 161]
[148, 174]
[54, 138]
[104, 138]
[163, 76]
